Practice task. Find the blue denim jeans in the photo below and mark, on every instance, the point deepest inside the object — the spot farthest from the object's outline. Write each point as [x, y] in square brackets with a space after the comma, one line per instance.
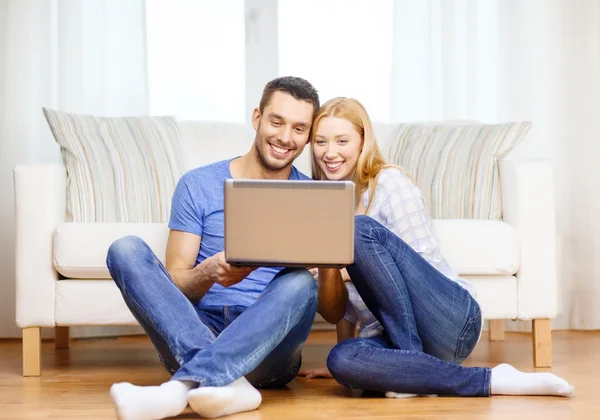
[214, 346]
[431, 324]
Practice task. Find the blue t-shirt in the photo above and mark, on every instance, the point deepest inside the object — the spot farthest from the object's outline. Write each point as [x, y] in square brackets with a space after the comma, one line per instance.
[197, 208]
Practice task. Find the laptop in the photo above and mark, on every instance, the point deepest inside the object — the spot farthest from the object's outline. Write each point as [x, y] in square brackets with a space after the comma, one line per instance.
[289, 223]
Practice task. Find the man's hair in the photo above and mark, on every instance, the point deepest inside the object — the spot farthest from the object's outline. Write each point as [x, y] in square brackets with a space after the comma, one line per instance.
[299, 88]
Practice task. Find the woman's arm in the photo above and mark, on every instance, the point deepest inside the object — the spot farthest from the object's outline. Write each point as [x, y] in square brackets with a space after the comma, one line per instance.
[345, 330]
[333, 295]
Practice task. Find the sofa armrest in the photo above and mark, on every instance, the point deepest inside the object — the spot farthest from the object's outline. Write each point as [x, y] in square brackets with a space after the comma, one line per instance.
[529, 206]
[40, 197]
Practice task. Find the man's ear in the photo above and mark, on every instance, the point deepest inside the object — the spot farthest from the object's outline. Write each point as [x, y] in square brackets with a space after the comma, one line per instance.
[256, 118]
[309, 135]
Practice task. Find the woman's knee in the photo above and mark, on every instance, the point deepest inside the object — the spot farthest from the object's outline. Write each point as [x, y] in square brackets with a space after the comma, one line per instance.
[341, 361]
[364, 225]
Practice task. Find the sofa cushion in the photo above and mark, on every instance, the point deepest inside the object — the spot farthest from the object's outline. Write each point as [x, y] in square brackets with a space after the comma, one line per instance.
[91, 302]
[472, 247]
[456, 167]
[80, 249]
[118, 169]
[479, 247]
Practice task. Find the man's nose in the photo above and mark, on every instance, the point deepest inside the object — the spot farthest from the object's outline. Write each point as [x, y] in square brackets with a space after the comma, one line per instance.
[285, 135]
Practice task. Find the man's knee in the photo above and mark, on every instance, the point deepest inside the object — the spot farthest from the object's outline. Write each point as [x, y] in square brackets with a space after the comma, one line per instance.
[300, 284]
[125, 252]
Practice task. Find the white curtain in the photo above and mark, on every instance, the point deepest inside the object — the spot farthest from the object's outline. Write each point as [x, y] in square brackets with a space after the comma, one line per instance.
[510, 60]
[77, 56]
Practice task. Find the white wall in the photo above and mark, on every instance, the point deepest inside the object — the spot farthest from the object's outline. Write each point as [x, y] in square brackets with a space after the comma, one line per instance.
[84, 57]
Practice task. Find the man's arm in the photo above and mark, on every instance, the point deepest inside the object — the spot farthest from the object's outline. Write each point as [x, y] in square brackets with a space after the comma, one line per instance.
[333, 295]
[182, 251]
[195, 280]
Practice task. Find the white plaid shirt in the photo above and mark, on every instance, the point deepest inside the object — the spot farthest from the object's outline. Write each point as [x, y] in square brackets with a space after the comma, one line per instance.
[398, 205]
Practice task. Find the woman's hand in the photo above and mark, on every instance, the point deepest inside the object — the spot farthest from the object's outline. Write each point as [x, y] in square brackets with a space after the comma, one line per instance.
[322, 372]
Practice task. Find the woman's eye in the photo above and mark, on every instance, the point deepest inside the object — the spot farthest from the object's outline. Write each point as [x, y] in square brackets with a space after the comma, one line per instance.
[342, 141]
[320, 142]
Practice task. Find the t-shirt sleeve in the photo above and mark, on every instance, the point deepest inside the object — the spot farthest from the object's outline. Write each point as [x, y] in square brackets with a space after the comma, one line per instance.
[186, 215]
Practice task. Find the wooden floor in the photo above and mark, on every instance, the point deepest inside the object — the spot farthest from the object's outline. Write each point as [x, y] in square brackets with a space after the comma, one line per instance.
[75, 383]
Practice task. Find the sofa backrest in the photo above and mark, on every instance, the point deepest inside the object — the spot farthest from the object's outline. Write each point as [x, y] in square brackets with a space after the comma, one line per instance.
[207, 142]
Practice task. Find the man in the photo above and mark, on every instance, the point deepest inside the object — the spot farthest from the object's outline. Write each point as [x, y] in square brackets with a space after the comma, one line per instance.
[203, 315]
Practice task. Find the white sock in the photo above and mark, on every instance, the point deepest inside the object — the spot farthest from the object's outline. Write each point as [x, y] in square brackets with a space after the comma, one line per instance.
[150, 402]
[506, 380]
[217, 401]
[399, 395]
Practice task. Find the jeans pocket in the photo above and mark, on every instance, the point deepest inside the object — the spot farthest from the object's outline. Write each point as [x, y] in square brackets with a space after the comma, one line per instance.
[468, 337]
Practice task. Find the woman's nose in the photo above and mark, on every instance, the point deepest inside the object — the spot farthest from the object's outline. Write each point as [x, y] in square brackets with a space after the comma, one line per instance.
[331, 152]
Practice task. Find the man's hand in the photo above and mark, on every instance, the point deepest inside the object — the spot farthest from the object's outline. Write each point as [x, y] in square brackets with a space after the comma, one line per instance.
[345, 275]
[343, 271]
[315, 373]
[226, 274]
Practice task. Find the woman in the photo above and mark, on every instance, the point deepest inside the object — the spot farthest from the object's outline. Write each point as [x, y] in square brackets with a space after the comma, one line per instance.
[418, 319]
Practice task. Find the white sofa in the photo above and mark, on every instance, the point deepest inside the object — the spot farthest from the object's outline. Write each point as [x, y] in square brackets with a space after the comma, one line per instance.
[62, 279]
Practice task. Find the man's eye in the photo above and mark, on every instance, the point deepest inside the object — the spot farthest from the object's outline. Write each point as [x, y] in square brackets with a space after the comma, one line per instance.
[300, 130]
[276, 123]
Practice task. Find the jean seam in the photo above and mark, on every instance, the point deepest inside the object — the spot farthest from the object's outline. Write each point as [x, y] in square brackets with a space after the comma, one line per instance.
[461, 337]
[487, 380]
[373, 233]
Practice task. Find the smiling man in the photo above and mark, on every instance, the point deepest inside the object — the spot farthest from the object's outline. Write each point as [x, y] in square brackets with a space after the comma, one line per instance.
[188, 308]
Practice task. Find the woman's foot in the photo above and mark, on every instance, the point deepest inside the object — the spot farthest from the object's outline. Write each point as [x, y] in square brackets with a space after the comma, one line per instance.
[400, 395]
[506, 380]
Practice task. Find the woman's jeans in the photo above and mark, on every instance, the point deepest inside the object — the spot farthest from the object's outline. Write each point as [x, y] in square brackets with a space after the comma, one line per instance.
[431, 324]
[216, 345]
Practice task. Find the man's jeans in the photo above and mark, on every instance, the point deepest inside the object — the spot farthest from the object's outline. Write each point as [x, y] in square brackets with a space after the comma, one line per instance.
[217, 345]
[431, 324]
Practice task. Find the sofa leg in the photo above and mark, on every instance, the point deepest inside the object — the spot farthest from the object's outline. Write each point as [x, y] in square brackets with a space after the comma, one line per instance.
[32, 351]
[542, 343]
[61, 338]
[496, 330]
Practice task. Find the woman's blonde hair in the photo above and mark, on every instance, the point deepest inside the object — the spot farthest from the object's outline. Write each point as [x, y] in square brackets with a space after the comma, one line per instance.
[370, 161]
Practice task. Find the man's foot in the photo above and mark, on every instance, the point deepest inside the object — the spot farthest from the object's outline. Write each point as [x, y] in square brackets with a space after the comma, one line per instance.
[150, 402]
[506, 380]
[217, 401]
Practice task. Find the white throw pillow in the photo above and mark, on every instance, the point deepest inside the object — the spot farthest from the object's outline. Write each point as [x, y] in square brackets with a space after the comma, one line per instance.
[121, 169]
[456, 167]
